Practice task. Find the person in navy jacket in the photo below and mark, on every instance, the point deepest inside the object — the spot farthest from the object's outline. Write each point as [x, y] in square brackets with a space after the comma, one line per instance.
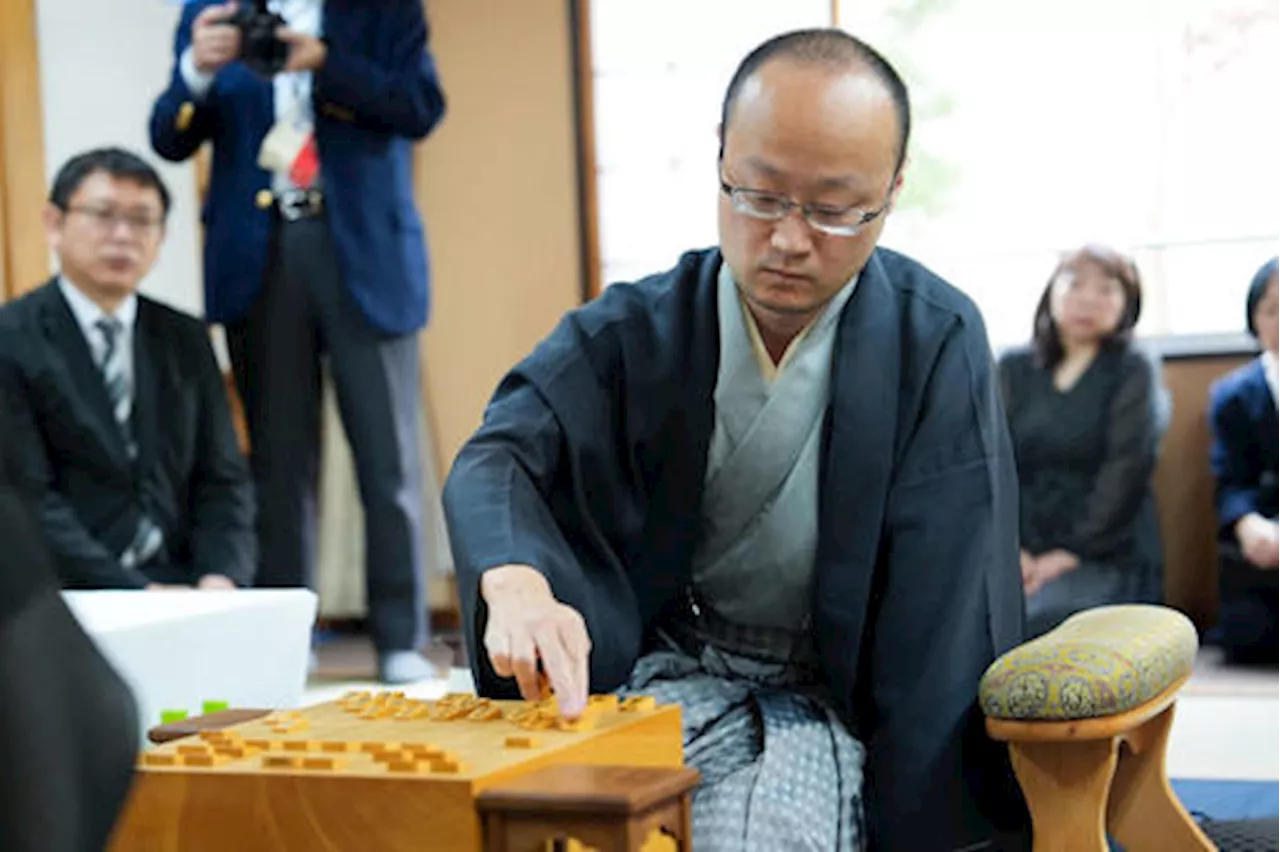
[1242, 415]
[313, 246]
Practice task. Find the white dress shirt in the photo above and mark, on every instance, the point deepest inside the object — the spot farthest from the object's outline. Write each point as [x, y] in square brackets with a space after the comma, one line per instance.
[292, 89]
[1269, 370]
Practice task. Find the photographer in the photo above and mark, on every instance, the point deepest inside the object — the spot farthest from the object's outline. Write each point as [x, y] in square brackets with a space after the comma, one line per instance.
[313, 245]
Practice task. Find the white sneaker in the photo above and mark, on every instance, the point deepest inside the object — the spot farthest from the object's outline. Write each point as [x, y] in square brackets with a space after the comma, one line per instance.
[400, 667]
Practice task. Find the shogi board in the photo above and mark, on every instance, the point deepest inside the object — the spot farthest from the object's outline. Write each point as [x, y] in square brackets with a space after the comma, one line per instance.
[371, 771]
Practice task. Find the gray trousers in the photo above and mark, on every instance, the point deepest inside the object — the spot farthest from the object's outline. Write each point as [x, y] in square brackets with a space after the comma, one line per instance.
[303, 312]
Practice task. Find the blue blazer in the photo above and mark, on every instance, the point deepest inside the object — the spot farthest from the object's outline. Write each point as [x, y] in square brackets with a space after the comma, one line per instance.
[1242, 415]
[375, 95]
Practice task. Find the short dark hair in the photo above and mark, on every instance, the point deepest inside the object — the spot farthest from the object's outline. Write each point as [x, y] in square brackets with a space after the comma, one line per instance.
[1258, 289]
[824, 46]
[1045, 338]
[116, 162]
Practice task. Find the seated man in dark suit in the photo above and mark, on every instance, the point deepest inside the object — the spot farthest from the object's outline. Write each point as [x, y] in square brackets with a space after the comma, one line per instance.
[120, 423]
[68, 723]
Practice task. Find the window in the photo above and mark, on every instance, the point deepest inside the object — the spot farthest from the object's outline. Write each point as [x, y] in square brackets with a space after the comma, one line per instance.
[659, 74]
[1147, 124]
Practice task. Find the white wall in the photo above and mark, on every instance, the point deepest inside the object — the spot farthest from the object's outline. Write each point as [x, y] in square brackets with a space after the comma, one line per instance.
[101, 66]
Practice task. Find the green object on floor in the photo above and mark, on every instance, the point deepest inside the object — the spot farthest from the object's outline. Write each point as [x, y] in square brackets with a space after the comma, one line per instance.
[168, 717]
[213, 707]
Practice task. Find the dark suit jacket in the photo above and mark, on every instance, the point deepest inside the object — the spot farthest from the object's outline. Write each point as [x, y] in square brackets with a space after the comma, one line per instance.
[375, 95]
[189, 476]
[68, 724]
[1242, 415]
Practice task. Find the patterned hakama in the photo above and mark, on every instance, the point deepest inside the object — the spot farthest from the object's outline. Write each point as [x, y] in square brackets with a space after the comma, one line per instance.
[779, 770]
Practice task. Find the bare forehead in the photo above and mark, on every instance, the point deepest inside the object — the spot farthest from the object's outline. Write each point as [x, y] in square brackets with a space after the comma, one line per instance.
[850, 85]
[1084, 264]
[843, 112]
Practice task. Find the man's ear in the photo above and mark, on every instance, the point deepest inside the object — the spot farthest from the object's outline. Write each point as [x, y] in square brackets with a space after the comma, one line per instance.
[898, 181]
[53, 217]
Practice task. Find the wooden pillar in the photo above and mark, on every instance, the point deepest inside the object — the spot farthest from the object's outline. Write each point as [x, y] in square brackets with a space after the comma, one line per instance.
[585, 146]
[24, 258]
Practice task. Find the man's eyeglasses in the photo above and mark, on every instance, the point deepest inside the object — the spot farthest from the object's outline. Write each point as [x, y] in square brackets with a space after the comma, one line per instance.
[772, 207]
[107, 220]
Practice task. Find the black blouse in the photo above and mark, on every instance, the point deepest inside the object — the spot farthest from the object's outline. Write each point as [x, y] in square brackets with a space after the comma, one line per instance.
[1085, 455]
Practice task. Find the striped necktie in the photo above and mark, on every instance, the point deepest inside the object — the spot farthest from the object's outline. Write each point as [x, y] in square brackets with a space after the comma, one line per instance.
[147, 538]
[115, 376]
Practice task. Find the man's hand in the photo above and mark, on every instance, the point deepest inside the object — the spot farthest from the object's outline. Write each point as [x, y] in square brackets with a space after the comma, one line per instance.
[215, 581]
[306, 53]
[1046, 568]
[527, 625]
[1259, 540]
[214, 43]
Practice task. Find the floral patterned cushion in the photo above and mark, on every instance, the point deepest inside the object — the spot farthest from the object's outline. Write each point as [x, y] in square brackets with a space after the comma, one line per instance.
[1100, 662]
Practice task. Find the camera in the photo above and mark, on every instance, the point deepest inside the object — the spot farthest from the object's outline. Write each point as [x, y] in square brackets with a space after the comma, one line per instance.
[260, 50]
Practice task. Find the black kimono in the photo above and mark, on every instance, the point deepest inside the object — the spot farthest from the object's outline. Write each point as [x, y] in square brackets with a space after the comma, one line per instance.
[590, 464]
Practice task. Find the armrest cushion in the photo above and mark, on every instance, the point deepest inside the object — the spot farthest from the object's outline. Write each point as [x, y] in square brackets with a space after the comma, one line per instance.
[1097, 663]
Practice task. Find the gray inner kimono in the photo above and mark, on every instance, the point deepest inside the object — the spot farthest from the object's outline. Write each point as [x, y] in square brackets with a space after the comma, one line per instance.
[780, 771]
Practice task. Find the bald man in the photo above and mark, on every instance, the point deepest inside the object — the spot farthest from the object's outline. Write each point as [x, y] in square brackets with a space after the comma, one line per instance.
[772, 485]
